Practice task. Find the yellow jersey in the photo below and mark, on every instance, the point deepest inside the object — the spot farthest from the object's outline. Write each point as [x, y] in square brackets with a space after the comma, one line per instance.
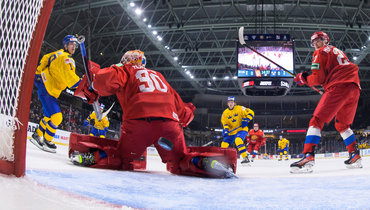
[232, 119]
[100, 125]
[283, 143]
[57, 70]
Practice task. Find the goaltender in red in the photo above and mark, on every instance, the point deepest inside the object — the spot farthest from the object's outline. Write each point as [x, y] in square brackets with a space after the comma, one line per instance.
[151, 109]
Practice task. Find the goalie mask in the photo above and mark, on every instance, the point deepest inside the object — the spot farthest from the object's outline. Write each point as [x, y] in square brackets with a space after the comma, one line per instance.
[322, 35]
[134, 57]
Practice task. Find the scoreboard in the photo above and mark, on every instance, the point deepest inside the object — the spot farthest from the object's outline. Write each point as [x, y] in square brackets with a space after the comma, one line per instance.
[257, 75]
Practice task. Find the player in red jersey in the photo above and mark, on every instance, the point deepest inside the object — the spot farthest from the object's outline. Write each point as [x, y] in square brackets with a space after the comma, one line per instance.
[256, 139]
[339, 77]
[151, 109]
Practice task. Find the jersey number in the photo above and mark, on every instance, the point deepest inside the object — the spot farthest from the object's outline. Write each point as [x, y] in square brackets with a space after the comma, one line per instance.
[342, 60]
[152, 81]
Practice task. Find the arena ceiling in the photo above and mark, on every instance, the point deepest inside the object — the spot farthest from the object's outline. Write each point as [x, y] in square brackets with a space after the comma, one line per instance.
[202, 34]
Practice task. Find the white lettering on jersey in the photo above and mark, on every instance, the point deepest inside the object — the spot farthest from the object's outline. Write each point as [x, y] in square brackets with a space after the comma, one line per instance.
[327, 49]
[152, 81]
[71, 61]
[314, 59]
[341, 58]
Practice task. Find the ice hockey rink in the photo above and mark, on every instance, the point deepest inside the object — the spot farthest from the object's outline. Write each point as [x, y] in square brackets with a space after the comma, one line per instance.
[52, 182]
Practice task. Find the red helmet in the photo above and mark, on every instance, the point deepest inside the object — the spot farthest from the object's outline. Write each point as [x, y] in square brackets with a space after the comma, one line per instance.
[322, 35]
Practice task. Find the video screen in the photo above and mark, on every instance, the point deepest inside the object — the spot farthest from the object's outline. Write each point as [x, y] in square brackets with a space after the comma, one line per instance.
[277, 47]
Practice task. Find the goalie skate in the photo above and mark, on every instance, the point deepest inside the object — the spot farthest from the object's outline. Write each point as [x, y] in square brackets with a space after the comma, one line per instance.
[217, 168]
[304, 165]
[82, 159]
[354, 160]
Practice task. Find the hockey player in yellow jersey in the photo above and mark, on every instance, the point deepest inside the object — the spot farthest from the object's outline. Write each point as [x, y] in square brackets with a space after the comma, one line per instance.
[55, 72]
[235, 121]
[283, 146]
[100, 127]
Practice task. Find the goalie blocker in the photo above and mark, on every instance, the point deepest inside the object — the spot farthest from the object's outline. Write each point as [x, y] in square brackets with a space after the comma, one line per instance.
[94, 145]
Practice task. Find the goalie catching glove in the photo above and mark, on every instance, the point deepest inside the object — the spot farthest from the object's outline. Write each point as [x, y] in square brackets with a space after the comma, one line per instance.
[84, 89]
[86, 92]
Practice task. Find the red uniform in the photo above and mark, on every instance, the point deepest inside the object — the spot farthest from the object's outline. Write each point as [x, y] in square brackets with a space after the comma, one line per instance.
[255, 139]
[151, 109]
[339, 78]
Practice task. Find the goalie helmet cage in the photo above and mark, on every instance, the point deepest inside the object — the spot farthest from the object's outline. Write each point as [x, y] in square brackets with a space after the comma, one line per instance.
[23, 26]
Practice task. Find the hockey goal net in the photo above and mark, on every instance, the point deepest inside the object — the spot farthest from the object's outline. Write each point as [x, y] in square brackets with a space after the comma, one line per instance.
[23, 25]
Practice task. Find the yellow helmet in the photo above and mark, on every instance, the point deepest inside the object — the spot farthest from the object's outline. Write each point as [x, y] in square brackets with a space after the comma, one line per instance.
[134, 57]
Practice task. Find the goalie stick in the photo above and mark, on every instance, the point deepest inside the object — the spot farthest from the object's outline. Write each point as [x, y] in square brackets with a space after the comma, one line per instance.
[242, 42]
[107, 112]
[81, 41]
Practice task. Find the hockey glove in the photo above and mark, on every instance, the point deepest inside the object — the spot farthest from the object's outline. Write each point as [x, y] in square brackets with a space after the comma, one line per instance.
[188, 115]
[86, 123]
[225, 132]
[301, 78]
[106, 129]
[86, 92]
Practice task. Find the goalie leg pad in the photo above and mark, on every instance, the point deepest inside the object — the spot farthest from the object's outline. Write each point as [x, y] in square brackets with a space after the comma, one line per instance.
[186, 166]
[99, 146]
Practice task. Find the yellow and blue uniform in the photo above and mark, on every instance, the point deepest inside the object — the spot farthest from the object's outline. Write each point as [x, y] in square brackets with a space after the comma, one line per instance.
[235, 123]
[100, 127]
[283, 146]
[55, 72]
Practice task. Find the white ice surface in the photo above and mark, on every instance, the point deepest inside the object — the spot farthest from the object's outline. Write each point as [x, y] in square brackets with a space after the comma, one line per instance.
[52, 182]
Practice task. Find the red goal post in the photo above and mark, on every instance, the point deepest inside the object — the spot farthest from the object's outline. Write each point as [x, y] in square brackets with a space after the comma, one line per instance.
[23, 26]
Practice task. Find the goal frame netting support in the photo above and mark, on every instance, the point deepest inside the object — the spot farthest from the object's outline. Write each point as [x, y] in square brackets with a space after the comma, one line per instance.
[18, 166]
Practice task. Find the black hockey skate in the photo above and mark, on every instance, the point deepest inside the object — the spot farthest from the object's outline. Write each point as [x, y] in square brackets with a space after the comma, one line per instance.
[82, 159]
[246, 162]
[217, 168]
[49, 146]
[304, 165]
[37, 141]
[354, 160]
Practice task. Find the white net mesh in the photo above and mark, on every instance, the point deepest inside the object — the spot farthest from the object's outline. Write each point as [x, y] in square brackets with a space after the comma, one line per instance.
[18, 20]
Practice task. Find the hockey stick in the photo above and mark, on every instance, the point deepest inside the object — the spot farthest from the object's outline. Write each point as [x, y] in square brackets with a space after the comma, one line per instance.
[107, 112]
[242, 42]
[81, 40]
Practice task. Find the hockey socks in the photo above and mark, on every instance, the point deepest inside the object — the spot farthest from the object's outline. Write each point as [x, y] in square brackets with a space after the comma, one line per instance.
[312, 139]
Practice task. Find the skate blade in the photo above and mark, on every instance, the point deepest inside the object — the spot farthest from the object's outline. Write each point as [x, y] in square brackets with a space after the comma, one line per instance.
[47, 149]
[33, 141]
[303, 170]
[354, 165]
[246, 164]
[227, 174]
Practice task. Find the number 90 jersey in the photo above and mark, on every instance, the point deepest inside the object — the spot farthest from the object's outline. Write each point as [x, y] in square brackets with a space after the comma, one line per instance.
[142, 92]
[331, 66]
